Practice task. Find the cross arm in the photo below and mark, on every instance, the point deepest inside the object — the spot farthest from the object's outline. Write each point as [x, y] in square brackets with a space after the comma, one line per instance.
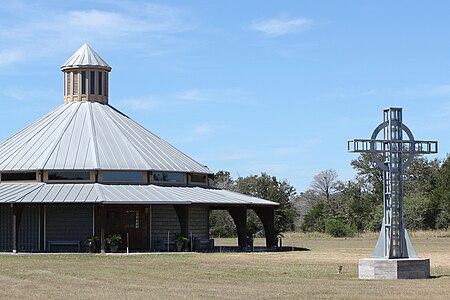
[425, 147]
[382, 146]
[366, 146]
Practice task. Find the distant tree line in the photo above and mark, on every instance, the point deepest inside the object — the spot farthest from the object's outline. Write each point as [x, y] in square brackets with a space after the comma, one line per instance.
[345, 208]
[342, 208]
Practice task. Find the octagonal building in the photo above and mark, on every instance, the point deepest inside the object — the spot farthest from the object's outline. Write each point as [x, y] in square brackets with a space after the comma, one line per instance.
[86, 169]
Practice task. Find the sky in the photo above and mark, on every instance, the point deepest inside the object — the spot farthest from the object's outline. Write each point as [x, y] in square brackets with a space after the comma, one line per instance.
[243, 86]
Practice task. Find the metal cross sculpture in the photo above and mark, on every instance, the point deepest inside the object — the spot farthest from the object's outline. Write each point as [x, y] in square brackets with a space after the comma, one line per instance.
[397, 154]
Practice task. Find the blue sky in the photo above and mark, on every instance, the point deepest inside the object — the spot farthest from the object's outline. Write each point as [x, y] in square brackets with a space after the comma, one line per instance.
[243, 86]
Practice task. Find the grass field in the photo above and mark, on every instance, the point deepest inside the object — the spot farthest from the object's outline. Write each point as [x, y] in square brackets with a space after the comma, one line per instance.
[287, 275]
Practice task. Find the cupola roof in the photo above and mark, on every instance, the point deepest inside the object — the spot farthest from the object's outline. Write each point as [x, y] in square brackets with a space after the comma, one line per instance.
[85, 56]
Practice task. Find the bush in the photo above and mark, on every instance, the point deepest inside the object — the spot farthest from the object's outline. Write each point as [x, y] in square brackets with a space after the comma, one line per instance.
[337, 228]
[442, 220]
[314, 219]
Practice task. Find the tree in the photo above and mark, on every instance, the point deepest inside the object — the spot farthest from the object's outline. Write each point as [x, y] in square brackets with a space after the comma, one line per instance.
[314, 220]
[303, 204]
[270, 188]
[222, 180]
[421, 177]
[325, 183]
[416, 211]
[369, 177]
[263, 186]
[441, 198]
[220, 221]
[221, 224]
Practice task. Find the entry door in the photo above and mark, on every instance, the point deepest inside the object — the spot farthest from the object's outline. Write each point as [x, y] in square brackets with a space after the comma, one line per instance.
[128, 223]
[133, 227]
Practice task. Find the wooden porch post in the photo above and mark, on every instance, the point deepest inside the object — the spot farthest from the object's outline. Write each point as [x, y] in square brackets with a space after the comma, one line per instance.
[102, 230]
[16, 218]
[239, 215]
[183, 217]
[42, 228]
[267, 217]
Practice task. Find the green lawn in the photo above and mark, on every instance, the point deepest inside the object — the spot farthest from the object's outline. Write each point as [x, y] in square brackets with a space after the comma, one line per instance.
[288, 275]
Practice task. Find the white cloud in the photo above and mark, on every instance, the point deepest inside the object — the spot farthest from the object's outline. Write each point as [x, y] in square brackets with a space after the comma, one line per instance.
[275, 168]
[443, 89]
[217, 96]
[193, 95]
[281, 25]
[140, 104]
[286, 151]
[197, 133]
[203, 129]
[10, 56]
[121, 24]
[235, 155]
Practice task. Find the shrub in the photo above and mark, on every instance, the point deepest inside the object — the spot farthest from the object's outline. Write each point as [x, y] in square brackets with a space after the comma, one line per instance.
[337, 228]
[314, 219]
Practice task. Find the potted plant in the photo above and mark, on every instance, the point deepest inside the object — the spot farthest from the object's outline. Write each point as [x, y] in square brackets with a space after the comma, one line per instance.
[278, 238]
[180, 241]
[91, 243]
[114, 242]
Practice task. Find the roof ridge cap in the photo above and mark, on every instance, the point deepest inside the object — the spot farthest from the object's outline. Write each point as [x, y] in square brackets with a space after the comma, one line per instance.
[93, 137]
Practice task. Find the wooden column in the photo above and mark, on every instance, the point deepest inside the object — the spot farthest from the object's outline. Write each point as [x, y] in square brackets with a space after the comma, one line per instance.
[239, 215]
[183, 217]
[267, 217]
[102, 230]
[42, 228]
[17, 210]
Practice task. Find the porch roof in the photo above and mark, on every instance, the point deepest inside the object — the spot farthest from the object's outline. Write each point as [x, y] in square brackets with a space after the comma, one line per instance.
[123, 194]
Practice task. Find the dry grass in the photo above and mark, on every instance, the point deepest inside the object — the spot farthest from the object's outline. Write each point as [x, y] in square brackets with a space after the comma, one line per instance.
[288, 275]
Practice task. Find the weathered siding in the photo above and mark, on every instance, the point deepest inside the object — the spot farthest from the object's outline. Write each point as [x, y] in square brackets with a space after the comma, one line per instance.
[5, 228]
[198, 221]
[66, 222]
[164, 219]
[28, 239]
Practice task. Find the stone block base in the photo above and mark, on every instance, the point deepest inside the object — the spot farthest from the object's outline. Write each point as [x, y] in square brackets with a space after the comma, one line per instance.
[404, 268]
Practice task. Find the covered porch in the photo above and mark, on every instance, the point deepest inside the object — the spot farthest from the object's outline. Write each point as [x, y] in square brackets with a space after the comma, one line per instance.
[57, 217]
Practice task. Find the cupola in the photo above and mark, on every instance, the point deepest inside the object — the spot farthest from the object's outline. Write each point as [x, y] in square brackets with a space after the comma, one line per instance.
[86, 77]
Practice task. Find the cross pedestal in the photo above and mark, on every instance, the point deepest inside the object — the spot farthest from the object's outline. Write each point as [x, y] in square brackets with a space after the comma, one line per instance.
[393, 155]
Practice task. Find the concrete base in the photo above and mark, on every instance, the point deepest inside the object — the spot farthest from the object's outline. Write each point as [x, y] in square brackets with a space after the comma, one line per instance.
[405, 268]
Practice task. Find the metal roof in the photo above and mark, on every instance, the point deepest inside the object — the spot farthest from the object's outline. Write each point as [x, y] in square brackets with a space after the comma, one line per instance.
[85, 56]
[123, 194]
[91, 136]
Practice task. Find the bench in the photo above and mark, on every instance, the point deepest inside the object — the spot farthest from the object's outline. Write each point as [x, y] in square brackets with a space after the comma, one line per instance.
[163, 244]
[203, 244]
[64, 243]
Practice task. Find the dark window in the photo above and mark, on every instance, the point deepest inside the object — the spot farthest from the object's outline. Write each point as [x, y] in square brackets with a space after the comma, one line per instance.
[168, 177]
[65, 78]
[198, 178]
[100, 85]
[18, 176]
[69, 175]
[92, 83]
[123, 176]
[75, 83]
[68, 83]
[113, 219]
[132, 219]
[83, 82]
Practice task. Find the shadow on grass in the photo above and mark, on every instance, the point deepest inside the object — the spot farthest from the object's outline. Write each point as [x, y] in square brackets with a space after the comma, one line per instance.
[255, 249]
[439, 276]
